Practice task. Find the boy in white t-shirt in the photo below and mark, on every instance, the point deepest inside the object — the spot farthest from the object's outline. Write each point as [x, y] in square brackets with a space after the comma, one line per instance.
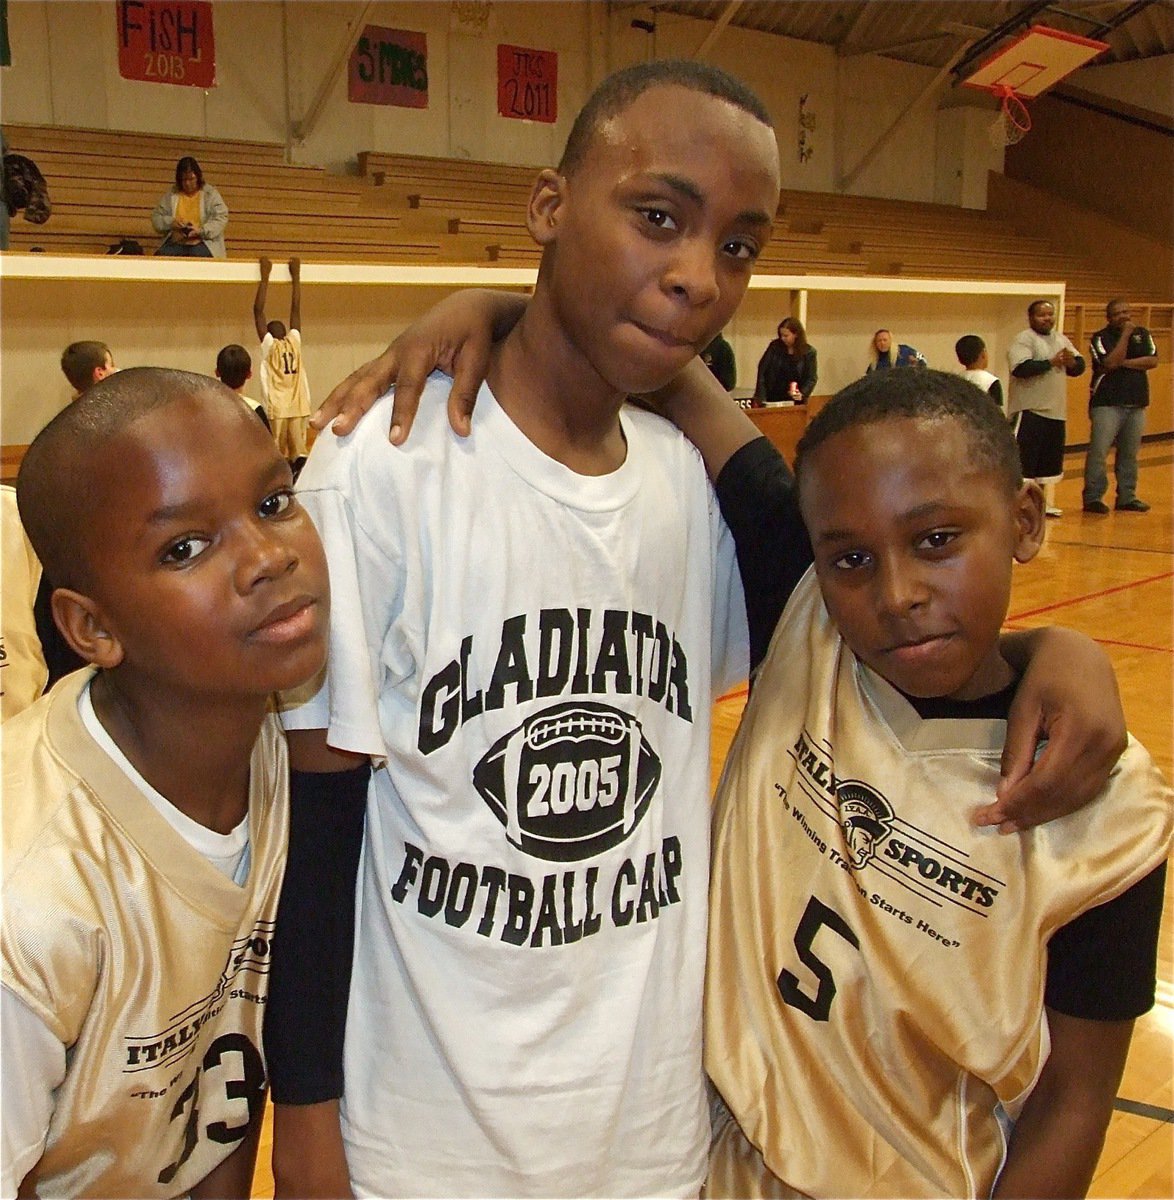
[971, 352]
[531, 628]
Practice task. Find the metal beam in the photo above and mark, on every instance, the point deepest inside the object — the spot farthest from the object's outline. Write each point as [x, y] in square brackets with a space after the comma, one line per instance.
[718, 28]
[846, 181]
[1023, 17]
[895, 47]
[304, 127]
[1126, 14]
[844, 45]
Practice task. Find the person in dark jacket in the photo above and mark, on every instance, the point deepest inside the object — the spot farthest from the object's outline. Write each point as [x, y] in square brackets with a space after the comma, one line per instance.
[787, 369]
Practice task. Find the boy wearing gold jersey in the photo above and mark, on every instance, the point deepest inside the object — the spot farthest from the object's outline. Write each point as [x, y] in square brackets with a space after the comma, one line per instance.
[146, 798]
[899, 1003]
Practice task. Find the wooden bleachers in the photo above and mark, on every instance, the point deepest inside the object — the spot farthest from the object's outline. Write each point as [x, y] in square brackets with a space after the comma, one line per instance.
[404, 208]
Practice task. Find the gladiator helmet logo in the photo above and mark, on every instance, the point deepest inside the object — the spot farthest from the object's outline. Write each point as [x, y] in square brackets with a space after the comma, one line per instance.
[866, 818]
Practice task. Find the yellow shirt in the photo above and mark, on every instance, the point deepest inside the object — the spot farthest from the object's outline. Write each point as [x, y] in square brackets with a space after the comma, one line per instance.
[187, 210]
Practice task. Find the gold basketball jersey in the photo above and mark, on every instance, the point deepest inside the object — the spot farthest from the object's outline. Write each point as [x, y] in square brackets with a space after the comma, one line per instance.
[876, 965]
[147, 963]
[283, 378]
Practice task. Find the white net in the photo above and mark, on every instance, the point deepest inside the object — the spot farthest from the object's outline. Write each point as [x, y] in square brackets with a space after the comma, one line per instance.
[1012, 123]
[1004, 132]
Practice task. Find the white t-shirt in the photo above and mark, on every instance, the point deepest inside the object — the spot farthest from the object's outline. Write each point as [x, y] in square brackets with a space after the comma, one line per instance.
[982, 379]
[534, 654]
[1045, 394]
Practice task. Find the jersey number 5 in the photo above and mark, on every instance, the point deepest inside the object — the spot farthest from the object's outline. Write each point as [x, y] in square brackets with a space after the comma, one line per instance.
[815, 916]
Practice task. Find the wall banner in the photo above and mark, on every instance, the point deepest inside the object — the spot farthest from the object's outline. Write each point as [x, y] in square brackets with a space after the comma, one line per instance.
[527, 84]
[166, 41]
[389, 66]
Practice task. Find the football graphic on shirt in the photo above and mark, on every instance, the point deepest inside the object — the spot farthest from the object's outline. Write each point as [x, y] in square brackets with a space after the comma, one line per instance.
[571, 781]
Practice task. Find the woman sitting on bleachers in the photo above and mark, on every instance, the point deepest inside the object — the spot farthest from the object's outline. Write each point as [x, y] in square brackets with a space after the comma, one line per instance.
[192, 216]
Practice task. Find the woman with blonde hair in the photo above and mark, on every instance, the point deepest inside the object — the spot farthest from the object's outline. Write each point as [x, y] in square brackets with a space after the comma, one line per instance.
[888, 352]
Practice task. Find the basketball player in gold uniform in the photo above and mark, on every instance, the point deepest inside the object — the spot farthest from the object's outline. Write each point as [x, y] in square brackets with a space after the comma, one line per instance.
[899, 1003]
[146, 799]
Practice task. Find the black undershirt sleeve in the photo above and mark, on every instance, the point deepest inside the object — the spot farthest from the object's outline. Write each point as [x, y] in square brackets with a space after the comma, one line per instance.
[1103, 965]
[760, 504]
[1030, 367]
[313, 942]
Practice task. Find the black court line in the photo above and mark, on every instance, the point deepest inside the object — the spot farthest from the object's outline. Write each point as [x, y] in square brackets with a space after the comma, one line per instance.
[1154, 1111]
[1108, 546]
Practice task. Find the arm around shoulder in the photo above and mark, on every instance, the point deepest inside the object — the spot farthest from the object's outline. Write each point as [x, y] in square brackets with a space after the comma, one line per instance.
[1067, 697]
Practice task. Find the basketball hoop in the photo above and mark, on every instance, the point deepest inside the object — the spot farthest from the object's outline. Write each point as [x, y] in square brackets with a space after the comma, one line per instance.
[1026, 68]
[1013, 122]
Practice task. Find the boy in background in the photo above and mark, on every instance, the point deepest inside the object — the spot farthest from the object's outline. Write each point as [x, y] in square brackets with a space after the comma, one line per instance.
[85, 363]
[23, 673]
[234, 368]
[971, 352]
[898, 1003]
[283, 374]
[146, 799]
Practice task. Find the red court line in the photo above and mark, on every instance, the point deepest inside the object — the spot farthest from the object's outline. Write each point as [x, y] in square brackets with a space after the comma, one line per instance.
[1121, 587]
[1108, 641]
[1012, 618]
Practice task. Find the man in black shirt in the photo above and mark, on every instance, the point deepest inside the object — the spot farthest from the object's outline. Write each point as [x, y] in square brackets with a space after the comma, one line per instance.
[1122, 353]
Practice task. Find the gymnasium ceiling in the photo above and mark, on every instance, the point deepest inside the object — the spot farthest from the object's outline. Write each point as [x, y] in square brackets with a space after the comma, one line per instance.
[931, 32]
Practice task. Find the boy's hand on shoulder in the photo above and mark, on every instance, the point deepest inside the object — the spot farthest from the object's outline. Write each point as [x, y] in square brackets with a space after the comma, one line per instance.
[1068, 698]
[455, 336]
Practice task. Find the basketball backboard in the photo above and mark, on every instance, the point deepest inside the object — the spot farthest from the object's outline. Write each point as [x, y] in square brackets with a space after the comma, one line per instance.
[1035, 61]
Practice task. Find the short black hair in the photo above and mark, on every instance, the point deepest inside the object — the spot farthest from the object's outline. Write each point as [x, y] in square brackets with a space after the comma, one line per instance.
[1038, 304]
[620, 89]
[56, 491]
[1114, 303]
[923, 395]
[968, 349]
[233, 365]
[79, 361]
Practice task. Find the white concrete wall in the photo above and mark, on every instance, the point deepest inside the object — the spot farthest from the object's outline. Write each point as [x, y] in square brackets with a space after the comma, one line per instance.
[65, 72]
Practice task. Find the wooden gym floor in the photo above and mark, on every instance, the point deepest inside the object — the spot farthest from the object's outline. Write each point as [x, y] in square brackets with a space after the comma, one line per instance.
[1113, 578]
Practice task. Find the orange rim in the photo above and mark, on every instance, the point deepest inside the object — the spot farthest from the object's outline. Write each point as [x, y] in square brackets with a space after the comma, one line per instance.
[1014, 109]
